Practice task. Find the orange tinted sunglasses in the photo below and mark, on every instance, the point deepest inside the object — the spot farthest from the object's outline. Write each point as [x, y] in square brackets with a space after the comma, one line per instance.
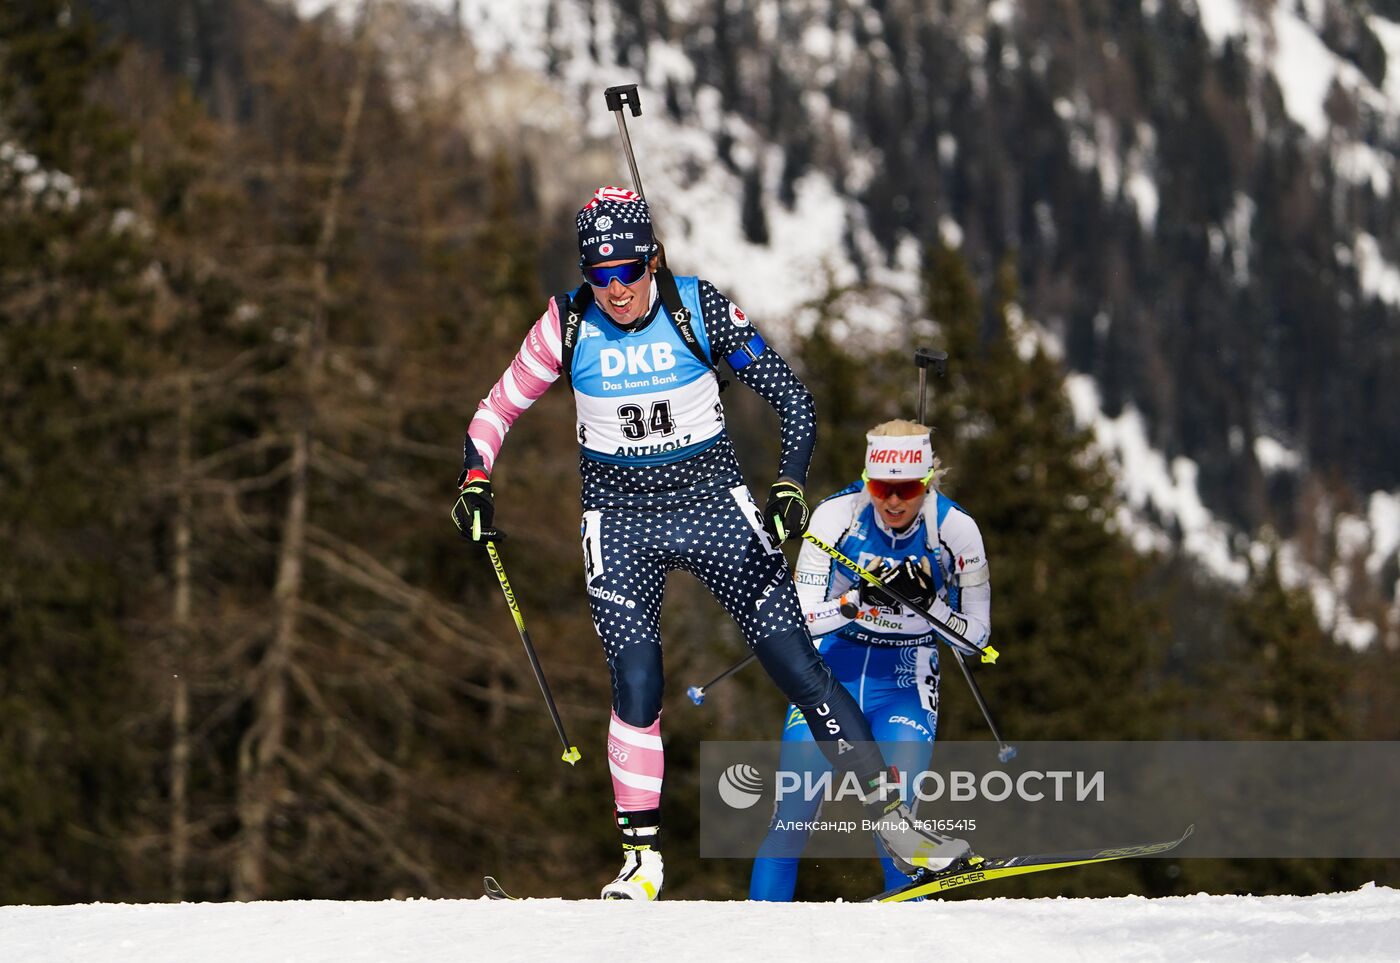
[906, 490]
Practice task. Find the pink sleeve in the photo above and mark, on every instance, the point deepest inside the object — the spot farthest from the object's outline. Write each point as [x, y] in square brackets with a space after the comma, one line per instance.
[536, 366]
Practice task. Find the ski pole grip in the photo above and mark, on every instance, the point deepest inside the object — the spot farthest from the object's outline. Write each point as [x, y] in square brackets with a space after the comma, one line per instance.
[624, 95]
[932, 358]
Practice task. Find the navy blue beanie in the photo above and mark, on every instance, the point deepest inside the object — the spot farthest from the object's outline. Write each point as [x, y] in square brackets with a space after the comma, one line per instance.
[615, 224]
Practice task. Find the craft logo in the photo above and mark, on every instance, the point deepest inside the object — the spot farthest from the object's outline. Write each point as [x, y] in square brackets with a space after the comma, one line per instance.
[740, 786]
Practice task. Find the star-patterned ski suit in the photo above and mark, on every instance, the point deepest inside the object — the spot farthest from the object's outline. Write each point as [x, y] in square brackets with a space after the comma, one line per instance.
[662, 491]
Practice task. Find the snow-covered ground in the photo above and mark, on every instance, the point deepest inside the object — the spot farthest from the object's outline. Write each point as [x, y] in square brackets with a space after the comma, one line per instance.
[1357, 926]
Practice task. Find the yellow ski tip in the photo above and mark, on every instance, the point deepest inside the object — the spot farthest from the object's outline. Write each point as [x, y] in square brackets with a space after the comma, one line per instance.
[571, 755]
[989, 655]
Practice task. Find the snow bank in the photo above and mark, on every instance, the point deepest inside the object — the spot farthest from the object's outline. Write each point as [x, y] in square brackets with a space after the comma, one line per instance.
[1356, 926]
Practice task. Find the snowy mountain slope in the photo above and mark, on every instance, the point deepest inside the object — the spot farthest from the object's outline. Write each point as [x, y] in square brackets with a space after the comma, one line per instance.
[537, 74]
[1358, 926]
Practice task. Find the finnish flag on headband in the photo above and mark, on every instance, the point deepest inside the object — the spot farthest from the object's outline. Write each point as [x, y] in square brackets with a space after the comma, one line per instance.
[897, 457]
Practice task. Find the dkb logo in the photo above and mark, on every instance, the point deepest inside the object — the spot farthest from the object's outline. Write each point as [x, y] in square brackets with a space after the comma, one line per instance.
[635, 360]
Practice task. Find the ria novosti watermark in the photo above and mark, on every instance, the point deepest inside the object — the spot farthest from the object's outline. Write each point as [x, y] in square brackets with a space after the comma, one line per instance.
[1246, 799]
[740, 787]
[930, 785]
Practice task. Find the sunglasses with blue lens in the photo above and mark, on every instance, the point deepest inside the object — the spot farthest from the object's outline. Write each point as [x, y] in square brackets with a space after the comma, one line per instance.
[629, 272]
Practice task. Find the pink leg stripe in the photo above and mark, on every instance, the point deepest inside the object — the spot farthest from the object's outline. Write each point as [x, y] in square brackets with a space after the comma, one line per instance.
[636, 760]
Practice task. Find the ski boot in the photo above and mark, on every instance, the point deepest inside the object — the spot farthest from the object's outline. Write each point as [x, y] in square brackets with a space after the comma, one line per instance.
[914, 849]
[911, 847]
[642, 868]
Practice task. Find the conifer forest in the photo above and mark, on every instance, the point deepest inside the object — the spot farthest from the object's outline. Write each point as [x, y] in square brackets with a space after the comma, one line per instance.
[257, 270]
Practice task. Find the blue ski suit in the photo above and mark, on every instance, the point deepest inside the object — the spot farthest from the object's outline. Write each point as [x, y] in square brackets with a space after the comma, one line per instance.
[886, 658]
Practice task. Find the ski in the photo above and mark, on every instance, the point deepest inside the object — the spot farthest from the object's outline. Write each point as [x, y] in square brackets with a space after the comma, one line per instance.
[978, 869]
[493, 889]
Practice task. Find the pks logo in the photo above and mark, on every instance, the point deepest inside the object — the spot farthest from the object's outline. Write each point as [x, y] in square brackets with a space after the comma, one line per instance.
[738, 317]
[740, 786]
[605, 249]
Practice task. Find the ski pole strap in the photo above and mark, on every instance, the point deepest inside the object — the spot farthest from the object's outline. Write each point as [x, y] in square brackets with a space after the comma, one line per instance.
[952, 636]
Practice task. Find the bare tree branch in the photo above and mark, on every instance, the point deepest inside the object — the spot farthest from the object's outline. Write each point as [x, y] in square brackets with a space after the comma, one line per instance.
[369, 821]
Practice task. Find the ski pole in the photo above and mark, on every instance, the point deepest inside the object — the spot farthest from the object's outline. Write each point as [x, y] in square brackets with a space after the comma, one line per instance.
[955, 639]
[618, 97]
[925, 358]
[697, 692]
[571, 753]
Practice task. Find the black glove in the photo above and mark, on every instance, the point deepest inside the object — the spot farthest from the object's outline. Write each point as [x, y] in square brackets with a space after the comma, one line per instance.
[911, 578]
[874, 595]
[786, 515]
[474, 511]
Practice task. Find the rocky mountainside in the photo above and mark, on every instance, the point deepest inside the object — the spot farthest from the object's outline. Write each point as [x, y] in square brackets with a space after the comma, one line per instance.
[1202, 200]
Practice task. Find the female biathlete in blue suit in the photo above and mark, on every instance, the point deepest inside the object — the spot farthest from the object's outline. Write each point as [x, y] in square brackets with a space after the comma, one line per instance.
[895, 522]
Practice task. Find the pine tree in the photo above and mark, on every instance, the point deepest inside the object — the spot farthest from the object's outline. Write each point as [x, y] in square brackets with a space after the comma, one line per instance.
[196, 369]
[1280, 678]
[1080, 641]
[1288, 679]
[73, 301]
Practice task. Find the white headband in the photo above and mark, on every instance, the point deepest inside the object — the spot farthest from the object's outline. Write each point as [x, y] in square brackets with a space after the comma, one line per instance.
[897, 457]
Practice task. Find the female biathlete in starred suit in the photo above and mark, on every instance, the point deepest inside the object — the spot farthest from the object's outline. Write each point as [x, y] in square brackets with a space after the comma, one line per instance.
[662, 491]
[926, 547]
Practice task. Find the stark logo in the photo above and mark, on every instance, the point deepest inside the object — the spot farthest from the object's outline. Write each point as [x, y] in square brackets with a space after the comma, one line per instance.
[738, 316]
[603, 223]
